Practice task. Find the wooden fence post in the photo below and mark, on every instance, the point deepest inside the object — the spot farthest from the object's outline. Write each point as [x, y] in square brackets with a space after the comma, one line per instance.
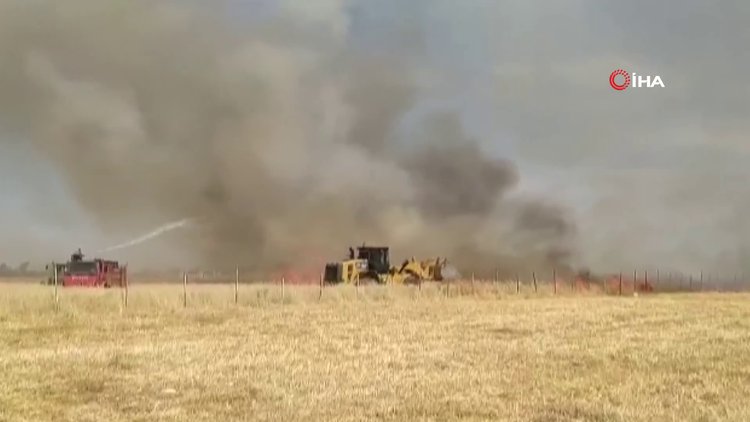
[620, 283]
[645, 280]
[554, 278]
[236, 285]
[56, 278]
[496, 282]
[518, 284]
[320, 294]
[533, 275]
[127, 284]
[184, 289]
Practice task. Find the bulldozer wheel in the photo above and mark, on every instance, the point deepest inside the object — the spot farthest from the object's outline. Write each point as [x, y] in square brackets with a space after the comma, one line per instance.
[368, 281]
[411, 280]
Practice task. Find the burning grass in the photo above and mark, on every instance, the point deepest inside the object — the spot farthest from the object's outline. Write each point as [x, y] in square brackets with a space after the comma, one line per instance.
[484, 353]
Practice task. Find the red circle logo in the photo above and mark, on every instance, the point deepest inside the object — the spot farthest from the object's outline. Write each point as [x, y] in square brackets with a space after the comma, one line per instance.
[614, 83]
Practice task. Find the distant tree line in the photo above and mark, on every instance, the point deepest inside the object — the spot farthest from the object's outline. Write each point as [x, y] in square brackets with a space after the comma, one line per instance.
[22, 270]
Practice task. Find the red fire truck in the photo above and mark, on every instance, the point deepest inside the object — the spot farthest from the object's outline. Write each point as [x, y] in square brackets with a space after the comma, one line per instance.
[93, 273]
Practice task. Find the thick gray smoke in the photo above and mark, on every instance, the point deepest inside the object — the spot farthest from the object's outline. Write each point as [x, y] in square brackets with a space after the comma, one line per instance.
[283, 139]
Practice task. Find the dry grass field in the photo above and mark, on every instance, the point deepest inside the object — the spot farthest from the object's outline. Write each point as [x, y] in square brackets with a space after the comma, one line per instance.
[384, 354]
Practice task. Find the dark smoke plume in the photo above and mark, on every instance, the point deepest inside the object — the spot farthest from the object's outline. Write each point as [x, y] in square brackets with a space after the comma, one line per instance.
[451, 174]
[284, 144]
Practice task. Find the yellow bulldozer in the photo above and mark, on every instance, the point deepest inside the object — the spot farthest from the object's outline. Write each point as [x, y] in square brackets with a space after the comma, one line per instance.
[371, 264]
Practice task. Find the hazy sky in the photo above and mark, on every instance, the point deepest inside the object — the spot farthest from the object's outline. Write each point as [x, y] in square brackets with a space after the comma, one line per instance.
[651, 177]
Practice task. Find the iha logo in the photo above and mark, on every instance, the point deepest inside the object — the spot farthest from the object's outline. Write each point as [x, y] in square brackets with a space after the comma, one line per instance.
[621, 80]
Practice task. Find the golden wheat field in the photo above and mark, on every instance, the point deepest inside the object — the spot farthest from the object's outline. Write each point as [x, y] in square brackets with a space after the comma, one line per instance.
[397, 354]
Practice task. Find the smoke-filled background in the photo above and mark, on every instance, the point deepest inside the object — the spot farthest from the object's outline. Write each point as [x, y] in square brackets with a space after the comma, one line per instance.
[484, 131]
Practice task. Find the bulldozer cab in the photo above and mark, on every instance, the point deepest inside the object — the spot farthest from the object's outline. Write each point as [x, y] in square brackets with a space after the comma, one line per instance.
[377, 258]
